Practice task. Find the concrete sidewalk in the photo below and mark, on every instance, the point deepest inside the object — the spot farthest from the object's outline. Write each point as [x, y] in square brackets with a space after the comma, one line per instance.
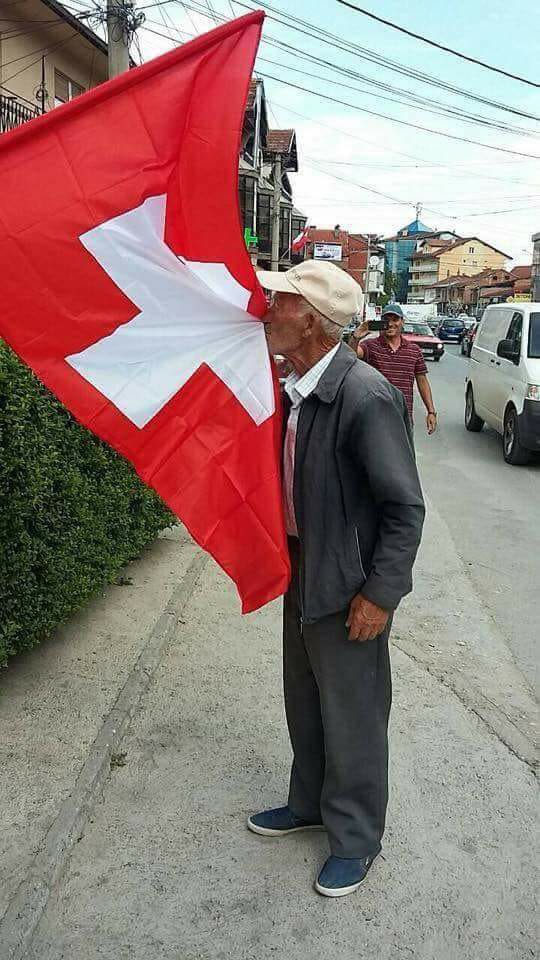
[162, 865]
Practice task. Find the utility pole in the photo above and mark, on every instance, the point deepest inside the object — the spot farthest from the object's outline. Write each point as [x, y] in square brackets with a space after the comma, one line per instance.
[275, 212]
[366, 277]
[119, 15]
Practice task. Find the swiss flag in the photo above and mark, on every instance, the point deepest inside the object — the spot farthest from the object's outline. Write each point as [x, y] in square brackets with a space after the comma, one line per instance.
[127, 288]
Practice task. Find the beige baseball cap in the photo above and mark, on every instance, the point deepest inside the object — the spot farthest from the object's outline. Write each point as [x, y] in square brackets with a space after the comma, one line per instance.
[326, 287]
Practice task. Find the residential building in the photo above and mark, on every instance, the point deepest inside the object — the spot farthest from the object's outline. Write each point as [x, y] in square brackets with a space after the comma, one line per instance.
[261, 148]
[399, 249]
[435, 260]
[472, 294]
[350, 252]
[47, 56]
[536, 268]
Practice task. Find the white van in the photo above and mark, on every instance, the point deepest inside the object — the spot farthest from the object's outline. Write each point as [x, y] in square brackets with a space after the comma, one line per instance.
[503, 380]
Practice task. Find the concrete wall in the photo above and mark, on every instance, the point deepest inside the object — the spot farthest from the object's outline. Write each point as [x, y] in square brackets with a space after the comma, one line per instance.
[63, 48]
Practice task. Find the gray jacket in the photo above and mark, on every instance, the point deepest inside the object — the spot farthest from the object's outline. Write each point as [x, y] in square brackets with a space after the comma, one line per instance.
[357, 497]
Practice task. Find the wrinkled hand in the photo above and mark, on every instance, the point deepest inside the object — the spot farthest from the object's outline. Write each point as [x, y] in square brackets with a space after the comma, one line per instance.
[431, 423]
[366, 620]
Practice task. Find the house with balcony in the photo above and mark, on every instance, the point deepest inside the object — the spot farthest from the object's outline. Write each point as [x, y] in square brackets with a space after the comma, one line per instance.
[435, 260]
[264, 152]
[47, 56]
[473, 294]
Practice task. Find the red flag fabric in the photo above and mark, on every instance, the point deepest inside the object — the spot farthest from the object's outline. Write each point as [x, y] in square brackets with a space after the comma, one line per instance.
[127, 288]
[300, 241]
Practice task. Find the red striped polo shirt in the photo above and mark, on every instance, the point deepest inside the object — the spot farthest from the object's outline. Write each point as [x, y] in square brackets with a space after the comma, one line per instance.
[399, 366]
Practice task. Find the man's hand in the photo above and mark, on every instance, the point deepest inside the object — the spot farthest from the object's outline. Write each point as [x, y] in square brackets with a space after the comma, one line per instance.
[431, 423]
[361, 331]
[366, 620]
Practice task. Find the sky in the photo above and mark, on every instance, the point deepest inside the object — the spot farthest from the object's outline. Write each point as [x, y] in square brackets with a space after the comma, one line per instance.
[345, 154]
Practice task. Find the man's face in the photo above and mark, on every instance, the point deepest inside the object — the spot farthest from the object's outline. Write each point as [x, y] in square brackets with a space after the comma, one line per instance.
[285, 324]
[395, 325]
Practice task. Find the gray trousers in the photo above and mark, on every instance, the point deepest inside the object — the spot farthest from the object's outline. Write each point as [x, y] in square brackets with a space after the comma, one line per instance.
[337, 700]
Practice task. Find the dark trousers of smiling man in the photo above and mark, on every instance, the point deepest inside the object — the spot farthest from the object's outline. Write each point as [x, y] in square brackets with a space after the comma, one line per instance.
[354, 514]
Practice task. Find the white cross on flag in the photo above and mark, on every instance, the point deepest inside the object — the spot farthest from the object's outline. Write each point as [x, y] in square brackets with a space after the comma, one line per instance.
[128, 289]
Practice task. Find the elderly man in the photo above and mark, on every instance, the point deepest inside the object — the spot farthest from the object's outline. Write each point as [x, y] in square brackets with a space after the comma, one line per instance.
[354, 514]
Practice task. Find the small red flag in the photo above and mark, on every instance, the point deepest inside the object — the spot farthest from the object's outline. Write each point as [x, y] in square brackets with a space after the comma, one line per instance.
[300, 241]
[128, 289]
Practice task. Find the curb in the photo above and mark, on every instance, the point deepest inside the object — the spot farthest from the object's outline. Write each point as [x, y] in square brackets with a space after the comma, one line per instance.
[28, 904]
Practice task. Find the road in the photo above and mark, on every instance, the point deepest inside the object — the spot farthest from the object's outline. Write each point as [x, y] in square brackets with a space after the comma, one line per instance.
[154, 723]
[491, 509]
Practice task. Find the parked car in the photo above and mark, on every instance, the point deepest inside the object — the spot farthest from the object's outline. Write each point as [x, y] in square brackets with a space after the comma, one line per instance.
[451, 328]
[467, 320]
[468, 340]
[433, 323]
[421, 333]
[503, 378]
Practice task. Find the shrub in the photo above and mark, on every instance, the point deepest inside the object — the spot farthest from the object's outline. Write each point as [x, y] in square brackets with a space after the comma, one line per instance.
[72, 511]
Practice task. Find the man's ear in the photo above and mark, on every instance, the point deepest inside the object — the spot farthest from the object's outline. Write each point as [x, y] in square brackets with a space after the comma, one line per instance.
[311, 323]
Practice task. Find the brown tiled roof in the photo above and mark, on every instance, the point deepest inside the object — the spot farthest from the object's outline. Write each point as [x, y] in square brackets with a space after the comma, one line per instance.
[457, 280]
[521, 273]
[430, 254]
[496, 291]
[279, 141]
[323, 235]
[477, 279]
[522, 286]
[415, 236]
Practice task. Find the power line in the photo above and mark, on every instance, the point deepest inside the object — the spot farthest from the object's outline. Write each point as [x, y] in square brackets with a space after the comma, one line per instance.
[43, 51]
[381, 85]
[439, 46]
[324, 36]
[484, 122]
[403, 123]
[439, 213]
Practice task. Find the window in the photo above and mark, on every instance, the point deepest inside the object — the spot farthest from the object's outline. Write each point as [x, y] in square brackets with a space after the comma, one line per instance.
[65, 89]
[284, 230]
[246, 192]
[493, 328]
[534, 335]
[471, 249]
[515, 330]
[263, 222]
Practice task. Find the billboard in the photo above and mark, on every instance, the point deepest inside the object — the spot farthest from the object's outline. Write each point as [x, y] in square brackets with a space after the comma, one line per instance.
[327, 251]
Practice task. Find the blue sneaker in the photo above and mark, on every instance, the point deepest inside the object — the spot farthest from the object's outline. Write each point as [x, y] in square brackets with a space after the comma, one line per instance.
[339, 877]
[279, 822]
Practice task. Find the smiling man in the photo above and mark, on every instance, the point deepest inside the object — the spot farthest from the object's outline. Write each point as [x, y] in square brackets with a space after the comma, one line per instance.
[401, 362]
[354, 514]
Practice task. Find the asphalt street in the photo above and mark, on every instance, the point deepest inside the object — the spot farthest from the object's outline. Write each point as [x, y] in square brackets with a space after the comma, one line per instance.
[491, 509]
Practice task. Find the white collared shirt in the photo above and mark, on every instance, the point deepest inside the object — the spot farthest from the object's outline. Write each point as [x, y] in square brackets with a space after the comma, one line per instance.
[298, 388]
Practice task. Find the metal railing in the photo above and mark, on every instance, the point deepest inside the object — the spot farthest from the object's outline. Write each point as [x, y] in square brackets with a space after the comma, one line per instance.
[14, 111]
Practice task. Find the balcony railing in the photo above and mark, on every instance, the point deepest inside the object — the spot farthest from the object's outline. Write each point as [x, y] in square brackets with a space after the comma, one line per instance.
[14, 111]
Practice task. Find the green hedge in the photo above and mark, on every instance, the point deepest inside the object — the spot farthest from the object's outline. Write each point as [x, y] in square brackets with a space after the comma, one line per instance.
[72, 511]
